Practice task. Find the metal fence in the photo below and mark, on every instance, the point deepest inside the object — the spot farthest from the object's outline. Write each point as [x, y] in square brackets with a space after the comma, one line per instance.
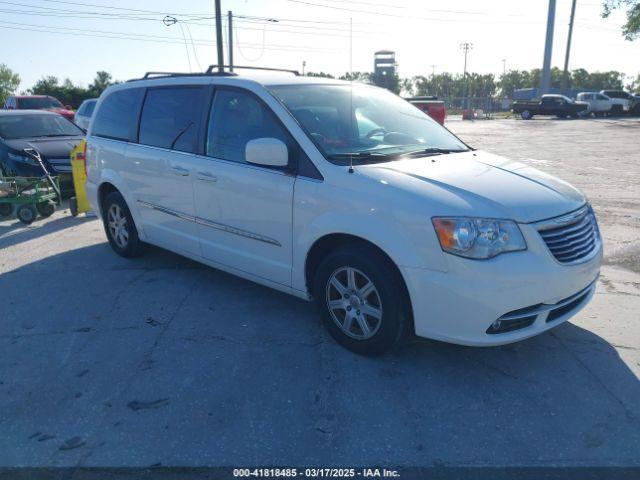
[485, 105]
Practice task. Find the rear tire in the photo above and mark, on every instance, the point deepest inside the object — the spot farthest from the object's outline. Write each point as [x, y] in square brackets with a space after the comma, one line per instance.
[364, 306]
[617, 110]
[526, 115]
[27, 214]
[119, 226]
[45, 209]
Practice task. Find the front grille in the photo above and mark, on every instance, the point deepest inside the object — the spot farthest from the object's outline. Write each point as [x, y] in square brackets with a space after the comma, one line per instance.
[574, 239]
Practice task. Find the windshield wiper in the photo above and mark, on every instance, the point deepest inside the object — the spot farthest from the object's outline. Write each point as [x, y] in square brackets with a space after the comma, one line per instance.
[432, 151]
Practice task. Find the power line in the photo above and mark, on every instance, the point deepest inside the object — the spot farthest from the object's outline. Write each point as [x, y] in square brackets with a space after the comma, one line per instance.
[142, 37]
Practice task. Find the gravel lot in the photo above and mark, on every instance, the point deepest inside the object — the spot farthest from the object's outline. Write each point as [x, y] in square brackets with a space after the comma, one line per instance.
[111, 362]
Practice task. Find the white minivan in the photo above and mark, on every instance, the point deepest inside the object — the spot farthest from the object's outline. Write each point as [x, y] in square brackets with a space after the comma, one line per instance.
[344, 194]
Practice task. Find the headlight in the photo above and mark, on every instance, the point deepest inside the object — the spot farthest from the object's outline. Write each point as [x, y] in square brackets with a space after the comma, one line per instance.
[478, 238]
[21, 159]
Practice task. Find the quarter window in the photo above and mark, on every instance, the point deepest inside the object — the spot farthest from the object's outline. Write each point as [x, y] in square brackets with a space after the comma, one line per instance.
[171, 118]
[118, 115]
[235, 119]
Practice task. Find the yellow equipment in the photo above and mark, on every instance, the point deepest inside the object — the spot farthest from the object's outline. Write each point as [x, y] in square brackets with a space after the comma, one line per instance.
[79, 203]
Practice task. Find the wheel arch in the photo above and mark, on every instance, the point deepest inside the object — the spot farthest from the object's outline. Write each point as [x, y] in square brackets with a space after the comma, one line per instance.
[325, 244]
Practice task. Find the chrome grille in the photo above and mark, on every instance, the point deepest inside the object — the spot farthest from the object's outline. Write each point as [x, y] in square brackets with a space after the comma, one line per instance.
[572, 237]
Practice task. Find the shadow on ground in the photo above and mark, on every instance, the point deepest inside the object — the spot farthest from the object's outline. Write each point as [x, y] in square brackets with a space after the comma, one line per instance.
[115, 362]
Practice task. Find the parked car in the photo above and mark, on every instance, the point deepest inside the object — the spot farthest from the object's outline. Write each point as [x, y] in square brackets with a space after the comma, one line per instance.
[50, 134]
[84, 113]
[623, 101]
[38, 102]
[599, 103]
[345, 194]
[431, 106]
[550, 104]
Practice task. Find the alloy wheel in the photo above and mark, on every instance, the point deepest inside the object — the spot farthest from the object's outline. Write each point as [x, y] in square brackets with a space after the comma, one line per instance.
[117, 223]
[354, 303]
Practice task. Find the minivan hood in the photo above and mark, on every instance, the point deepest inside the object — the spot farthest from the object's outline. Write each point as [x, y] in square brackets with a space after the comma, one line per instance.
[480, 183]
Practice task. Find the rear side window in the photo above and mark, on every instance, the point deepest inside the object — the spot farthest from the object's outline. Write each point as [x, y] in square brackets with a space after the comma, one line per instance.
[236, 118]
[89, 108]
[171, 118]
[118, 115]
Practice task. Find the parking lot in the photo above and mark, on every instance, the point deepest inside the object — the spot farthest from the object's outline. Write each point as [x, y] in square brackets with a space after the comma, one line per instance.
[159, 360]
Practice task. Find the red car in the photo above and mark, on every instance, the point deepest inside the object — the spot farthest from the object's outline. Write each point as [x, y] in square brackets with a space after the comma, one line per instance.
[431, 106]
[38, 102]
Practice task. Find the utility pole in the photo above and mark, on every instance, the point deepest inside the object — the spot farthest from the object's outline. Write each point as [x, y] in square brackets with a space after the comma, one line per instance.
[565, 73]
[504, 67]
[219, 36]
[304, 64]
[433, 70]
[230, 20]
[465, 46]
[545, 84]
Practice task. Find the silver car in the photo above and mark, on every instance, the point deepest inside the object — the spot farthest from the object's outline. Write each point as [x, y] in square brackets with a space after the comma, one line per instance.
[84, 113]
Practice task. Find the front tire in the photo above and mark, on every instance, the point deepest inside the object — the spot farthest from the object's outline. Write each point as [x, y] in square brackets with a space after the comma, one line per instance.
[119, 226]
[526, 115]
[27, 214]
[363, 305]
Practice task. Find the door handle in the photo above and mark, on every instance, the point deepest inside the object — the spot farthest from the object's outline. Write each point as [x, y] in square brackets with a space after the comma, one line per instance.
[180, 171]
[207, 177]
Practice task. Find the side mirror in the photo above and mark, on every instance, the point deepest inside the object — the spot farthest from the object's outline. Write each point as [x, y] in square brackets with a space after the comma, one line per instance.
[270, 152]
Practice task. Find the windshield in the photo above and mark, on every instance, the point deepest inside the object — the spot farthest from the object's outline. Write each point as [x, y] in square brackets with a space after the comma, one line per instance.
[37, 103]
[28, 126]
[368, 122]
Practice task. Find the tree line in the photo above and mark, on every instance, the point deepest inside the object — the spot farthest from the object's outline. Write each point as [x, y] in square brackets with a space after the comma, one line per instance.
[66, 91]
[442, 85]
[454, 85]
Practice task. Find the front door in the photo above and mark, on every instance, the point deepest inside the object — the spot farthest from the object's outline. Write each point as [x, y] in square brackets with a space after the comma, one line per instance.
[244, 211]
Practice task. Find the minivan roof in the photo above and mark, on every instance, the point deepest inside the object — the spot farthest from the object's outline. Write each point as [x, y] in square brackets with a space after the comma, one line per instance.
[261, 77]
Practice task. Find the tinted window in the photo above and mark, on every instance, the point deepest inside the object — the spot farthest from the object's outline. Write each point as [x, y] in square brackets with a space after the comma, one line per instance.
[236, 118]
[118, 115]
[89, 108]
[171, 117]
[28, 126]
[37, 103]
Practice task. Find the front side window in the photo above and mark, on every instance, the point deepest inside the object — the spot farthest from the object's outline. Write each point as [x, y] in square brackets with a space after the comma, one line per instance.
[171, 118]
[36, 125]
[235, 119]
[361, 120]
[117, 117]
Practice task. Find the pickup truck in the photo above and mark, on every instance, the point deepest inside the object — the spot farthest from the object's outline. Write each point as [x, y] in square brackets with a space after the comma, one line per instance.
[550, 104]
[626, 102]
[431, 106]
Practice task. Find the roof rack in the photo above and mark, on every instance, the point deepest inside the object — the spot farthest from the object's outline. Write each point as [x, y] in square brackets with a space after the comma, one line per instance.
[211, 71]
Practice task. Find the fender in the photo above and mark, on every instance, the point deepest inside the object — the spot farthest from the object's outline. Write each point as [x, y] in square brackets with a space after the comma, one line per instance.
[390, 238]
[112, 177]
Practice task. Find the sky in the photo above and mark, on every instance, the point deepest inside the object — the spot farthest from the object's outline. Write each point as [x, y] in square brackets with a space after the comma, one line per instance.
[75, 38]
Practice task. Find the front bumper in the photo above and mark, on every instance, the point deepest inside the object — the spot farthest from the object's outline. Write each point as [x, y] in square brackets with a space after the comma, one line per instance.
[460, 305]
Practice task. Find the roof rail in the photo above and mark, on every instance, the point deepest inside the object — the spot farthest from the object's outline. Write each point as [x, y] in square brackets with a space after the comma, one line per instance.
[212, 69]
